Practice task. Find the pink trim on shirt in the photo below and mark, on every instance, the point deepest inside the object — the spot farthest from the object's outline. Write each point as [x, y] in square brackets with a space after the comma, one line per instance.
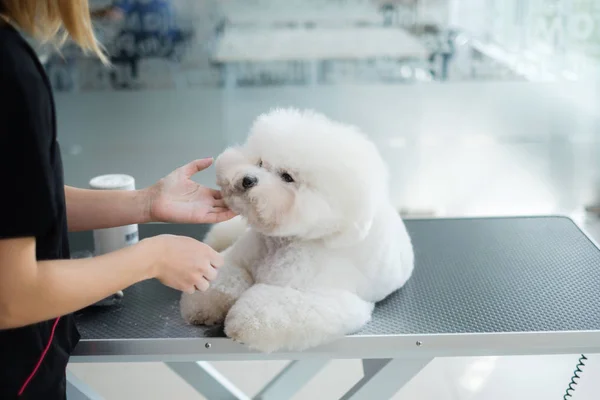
[37, 366]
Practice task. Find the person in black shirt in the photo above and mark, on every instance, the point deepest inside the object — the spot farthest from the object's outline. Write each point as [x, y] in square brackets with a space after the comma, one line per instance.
[39, 285]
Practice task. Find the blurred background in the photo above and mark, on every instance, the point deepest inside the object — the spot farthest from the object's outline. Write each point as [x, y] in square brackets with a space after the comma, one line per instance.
[479, 107]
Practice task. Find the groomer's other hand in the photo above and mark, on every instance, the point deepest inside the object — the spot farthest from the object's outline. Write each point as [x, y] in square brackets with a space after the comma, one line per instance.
[183, 263]
[178, 199]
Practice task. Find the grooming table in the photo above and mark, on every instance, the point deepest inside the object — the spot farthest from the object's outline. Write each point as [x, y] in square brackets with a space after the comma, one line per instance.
[481, 287]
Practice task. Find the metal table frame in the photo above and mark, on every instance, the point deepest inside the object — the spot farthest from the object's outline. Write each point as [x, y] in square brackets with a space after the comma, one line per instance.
[389, 361]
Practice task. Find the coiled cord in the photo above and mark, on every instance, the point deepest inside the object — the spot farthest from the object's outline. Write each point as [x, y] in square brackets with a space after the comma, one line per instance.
[573, 383]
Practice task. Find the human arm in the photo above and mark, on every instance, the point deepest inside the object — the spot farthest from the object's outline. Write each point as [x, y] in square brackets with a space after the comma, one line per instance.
[32, 291]
[32, 207]
[89, 209]
[175, 198]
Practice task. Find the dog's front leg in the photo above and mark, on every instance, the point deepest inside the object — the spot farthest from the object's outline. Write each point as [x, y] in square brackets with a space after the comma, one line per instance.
[270, 318]
[233, 279]
[211, 306]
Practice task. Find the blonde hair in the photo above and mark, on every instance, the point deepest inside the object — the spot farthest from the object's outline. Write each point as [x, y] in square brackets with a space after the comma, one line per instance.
[55, 21]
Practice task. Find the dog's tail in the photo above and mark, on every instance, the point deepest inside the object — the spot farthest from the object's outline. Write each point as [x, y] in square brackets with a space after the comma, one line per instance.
[224, 234]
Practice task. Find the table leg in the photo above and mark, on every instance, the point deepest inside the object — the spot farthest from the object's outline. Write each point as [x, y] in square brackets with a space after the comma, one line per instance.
[79, 390]
[384, 378]
[207, 381]
[291, 379]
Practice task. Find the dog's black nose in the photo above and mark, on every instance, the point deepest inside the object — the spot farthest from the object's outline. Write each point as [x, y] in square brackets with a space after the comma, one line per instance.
[249, 181]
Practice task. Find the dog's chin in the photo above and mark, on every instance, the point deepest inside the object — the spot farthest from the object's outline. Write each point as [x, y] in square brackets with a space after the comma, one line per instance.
[241, 204]
[235, 203]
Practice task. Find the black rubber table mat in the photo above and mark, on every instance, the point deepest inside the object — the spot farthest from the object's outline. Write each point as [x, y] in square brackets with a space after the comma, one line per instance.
[471, 276]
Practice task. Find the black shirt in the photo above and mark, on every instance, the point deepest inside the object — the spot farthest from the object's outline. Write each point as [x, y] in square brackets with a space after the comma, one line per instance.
[33, 359]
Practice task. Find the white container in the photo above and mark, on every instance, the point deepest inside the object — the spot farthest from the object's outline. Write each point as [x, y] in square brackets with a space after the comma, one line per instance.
[112, 239]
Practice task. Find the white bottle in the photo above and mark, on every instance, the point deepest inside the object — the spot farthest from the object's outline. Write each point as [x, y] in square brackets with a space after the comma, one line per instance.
[112, 239]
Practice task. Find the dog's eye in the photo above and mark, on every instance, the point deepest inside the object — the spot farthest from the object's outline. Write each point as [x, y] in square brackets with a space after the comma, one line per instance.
[259, 163]
[287, 177]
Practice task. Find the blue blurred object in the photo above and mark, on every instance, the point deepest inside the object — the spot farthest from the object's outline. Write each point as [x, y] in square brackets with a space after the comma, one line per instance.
[150, 25]
[149, 29]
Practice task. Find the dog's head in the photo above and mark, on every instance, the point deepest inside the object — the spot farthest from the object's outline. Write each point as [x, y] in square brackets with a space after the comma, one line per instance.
[302, 175]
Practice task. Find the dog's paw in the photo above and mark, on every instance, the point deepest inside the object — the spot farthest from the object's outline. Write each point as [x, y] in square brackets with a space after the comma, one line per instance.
[267, 327]
[205, 308]
[251, 331]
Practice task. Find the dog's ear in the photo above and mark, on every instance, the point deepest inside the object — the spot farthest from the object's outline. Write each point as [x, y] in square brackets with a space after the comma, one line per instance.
[360, 206]
[354, 232]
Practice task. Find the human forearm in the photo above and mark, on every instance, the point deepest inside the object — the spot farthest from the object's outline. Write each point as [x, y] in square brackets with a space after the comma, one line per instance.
[176, 198]
[89, 209]
[53, 288]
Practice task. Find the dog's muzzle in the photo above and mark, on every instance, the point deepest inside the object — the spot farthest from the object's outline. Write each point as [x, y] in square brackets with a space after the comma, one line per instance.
[248, 182]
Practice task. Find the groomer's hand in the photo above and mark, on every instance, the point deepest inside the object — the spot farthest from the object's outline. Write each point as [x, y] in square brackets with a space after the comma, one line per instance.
[178, 199]
[183, 263]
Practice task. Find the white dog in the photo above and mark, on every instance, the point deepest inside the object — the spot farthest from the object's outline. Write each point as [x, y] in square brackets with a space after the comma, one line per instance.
[323, 243]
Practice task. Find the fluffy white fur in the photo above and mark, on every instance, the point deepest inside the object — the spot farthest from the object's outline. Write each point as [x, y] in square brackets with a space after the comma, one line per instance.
[316, 253]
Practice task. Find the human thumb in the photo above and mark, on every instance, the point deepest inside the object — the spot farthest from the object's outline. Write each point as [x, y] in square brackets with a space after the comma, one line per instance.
[197, 166]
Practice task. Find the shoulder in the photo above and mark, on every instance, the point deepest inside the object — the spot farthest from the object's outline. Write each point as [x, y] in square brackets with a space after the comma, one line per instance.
[19, 71]
[26, 99]
[25, 96]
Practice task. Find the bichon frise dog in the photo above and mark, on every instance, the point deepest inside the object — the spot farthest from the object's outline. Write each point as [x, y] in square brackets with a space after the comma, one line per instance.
[323, 242]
